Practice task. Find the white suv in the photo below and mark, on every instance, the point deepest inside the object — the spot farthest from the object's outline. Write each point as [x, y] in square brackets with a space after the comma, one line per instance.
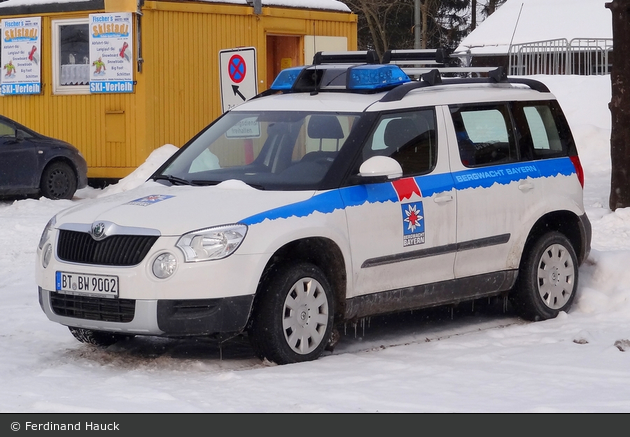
[346, 190]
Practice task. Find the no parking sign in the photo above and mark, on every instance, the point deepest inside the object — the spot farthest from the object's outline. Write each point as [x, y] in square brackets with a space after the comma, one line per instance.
[238, 76]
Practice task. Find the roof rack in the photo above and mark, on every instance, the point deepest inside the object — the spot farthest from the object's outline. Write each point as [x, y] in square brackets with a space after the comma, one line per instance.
[351, 57]
[434, 77]
[360, 71]
[416, 56]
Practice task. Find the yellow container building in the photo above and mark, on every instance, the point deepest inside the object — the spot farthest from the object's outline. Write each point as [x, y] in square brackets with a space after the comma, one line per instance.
[180, 64]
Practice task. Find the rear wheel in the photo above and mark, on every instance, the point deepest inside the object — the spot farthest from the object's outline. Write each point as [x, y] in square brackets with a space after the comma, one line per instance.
[293, 315]
[58, 181]
[97, 338]
[548, 278]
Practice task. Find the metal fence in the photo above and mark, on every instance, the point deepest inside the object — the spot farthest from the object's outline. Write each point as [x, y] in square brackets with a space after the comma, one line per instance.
[583, 56]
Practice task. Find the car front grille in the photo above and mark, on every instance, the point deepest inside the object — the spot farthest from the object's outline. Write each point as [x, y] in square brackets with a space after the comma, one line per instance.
[93, 308]
[115, 250]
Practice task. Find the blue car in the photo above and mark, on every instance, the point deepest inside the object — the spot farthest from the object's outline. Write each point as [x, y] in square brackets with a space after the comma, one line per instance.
[32, 164]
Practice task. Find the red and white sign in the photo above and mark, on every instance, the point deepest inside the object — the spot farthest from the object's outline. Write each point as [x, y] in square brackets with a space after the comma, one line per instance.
[238, 76]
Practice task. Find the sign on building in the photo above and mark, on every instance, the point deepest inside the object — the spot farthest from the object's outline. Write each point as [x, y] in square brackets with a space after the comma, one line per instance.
[21, 69]
[111, 53]
[238, 76]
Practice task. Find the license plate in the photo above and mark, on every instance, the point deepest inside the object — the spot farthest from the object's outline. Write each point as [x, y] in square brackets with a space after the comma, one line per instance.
[81, 283]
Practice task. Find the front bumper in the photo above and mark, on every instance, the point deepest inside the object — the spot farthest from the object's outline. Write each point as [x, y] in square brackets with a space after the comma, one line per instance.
[168, 318]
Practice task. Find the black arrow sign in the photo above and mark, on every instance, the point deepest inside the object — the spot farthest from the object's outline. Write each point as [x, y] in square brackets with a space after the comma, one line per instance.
[237, 92]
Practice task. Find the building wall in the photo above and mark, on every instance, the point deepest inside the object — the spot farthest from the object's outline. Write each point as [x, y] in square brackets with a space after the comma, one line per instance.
[177, 89]
[78, 119]
[181, 45]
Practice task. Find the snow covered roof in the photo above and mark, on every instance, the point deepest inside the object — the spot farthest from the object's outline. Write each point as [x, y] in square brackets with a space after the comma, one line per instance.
[539, 20]
[329, 5]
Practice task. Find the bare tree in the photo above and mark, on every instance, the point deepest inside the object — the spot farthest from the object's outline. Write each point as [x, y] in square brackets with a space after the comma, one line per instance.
[375, 19]
[620, 105]
[386, 25]
[487, 8]
[490, 7]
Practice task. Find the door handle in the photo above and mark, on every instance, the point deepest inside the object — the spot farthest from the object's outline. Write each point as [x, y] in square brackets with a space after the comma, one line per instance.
[443, 199]
[525, 186]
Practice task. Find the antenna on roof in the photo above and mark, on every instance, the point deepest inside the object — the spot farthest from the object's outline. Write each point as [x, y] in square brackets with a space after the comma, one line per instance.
[515, 26]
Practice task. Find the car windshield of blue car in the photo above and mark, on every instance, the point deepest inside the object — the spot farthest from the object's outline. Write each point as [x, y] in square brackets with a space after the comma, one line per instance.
[268, 150]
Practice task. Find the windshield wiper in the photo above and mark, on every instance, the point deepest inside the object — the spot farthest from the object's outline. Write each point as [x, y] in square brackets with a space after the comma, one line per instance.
[206, 183]
[172, 179]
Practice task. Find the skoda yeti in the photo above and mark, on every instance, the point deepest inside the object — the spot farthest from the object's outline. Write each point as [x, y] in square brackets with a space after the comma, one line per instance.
[346, 190]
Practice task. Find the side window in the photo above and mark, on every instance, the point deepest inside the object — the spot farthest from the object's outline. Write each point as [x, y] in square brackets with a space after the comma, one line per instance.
[543, 130]
[6, 130]
[409, 138]
[70, 56]
[484, 135]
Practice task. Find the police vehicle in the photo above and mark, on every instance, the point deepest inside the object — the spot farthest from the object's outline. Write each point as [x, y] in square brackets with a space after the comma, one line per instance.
[350, 188]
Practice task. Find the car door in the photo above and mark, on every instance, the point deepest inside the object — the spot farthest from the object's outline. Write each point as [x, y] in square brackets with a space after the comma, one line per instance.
[402, 232]
[18, 160]
[496, 192]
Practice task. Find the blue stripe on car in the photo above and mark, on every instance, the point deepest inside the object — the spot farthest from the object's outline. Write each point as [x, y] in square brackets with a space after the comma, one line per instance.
[484, 177]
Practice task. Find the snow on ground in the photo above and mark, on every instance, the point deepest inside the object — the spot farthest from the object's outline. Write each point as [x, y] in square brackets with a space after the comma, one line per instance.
[472, 360]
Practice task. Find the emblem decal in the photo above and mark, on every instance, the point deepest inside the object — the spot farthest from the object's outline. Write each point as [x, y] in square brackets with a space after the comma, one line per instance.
[98, 231]
[149, 200]
[413, 223]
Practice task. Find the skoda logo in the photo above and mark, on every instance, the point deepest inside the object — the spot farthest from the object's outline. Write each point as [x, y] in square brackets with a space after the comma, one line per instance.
[98, 230]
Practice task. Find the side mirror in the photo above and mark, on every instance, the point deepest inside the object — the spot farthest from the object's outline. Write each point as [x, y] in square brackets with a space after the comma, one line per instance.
[379, 166]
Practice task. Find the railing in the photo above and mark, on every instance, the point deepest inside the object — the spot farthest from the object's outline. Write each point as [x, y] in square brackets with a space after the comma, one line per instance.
[583, 56]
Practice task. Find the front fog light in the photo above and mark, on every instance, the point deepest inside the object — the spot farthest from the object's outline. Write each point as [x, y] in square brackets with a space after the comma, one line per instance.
[164, 265]
[46, 255]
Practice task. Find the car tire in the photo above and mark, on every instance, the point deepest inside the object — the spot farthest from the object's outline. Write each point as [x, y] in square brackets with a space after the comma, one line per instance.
[293, 314]
[548, 278]
[97, 338]
[58, 181]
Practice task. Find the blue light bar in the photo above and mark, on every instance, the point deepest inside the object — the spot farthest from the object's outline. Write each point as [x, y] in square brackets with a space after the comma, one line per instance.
[375, 76]
[285, 80]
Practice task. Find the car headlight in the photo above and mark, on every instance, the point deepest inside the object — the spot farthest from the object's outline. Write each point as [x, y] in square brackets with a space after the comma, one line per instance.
[212, 243]
[46, 232]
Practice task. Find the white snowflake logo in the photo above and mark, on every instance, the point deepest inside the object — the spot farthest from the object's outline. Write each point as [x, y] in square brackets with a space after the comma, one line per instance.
[412, 218]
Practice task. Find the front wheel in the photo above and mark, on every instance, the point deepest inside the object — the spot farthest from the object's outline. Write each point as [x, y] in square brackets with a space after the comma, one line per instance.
[58, 181]
[292, 319]
[548, 278]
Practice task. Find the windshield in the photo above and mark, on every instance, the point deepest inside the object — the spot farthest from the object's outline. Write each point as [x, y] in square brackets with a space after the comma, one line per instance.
[268, 150]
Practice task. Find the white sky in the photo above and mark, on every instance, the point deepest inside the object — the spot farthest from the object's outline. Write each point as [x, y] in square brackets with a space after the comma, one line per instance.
[479, 362]
[539, 20]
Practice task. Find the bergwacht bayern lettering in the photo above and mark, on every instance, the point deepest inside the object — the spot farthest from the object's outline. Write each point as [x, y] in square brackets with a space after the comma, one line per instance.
[85, 426]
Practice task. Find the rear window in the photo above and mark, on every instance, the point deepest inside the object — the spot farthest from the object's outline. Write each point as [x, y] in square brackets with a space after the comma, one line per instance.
[543, 130]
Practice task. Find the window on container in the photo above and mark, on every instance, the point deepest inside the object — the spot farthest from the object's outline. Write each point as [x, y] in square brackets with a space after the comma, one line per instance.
[71, 56]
